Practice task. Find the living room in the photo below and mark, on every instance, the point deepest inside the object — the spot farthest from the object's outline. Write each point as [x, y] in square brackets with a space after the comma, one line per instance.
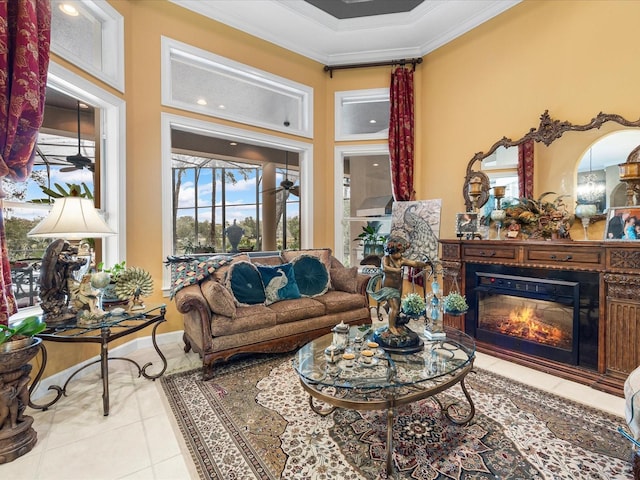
[574, 59]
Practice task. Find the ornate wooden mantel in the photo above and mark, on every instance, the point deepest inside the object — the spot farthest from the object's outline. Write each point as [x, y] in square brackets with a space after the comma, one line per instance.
[618, 265]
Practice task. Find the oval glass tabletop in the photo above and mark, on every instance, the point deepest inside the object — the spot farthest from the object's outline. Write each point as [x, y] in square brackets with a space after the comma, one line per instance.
[373, 368]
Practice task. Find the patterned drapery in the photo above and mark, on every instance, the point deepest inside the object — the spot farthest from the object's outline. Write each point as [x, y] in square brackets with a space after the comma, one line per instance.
[401, 126]
[525, 169]
[25, 28]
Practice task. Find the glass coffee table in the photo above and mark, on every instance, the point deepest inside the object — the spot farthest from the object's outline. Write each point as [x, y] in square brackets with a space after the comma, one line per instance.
[388, 380]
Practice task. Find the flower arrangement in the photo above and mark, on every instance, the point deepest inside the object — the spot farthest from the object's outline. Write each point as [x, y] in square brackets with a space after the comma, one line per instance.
[540, 218]
[455, 303]
[413, 304]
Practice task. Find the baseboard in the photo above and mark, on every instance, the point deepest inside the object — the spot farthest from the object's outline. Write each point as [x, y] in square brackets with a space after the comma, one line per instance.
[120, 351]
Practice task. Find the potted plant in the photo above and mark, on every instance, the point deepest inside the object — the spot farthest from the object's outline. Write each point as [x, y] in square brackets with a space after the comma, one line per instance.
[98, 280]
[20, 334]
[455, 304]
[17, 347]
[413, 305]
[371, 239]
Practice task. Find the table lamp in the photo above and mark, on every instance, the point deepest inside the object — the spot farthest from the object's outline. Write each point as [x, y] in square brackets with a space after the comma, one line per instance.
[71, 218]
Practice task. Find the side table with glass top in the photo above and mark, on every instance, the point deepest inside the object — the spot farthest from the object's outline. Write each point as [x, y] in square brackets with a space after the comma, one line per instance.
[390, 380]
[109, 328]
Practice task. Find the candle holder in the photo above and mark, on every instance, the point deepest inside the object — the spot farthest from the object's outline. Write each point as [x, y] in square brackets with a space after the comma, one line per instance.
[475, 190]
[498, 217]
[584, 213]
[498, 193]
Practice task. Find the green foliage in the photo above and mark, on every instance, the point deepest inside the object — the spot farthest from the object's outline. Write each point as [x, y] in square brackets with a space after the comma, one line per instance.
[370, 234]
[114, 271]
[72, 190]
[454, 302]
[27, 327]
[413, 304]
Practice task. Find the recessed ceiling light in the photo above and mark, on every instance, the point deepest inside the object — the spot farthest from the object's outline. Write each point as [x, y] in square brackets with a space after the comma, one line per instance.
[376, 164]
[221, 107]
[201, 101]
[83, 105]
[372, 121]
[233, 144]
[69, 9]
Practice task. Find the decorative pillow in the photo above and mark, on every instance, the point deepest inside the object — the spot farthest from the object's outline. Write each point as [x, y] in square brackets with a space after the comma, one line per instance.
[279, 282]
[218, 297]
[324, 254]
[244, 282]
[311, 276]
[345, 279]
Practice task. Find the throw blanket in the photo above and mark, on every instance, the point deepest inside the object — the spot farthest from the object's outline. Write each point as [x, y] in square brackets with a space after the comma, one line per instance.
[188, 270]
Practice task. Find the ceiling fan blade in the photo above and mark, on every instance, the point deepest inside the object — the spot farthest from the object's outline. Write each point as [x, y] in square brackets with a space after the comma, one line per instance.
[70, 169]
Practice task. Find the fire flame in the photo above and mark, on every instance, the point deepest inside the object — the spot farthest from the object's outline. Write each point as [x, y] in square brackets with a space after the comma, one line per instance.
[525, 323]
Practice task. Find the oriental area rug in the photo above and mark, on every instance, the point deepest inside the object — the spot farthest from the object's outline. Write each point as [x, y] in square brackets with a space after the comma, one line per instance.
[253, 421]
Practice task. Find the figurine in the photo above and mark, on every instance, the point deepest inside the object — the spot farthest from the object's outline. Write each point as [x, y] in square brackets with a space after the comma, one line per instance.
[87, 298]
[396, 335]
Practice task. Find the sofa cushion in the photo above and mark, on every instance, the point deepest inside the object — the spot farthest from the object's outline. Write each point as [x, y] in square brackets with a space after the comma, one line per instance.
[220, 300]
[311, 275]
[300, 309]
[345, 279]
[245, 283]
[251, 318]
[279, 282]
[267, 260]
[336, 301]
[324, 254]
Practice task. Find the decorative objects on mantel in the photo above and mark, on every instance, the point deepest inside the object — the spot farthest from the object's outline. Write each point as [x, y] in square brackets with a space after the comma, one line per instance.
[548, 131]
[585, 213]
[541, 219]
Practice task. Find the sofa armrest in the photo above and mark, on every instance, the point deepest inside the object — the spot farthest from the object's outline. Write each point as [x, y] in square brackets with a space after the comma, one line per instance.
[196, 316]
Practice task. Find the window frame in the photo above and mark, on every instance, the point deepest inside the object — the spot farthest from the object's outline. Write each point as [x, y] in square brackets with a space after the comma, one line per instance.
[171, 121]
[358, 96]
[112, 44]
[245, 73]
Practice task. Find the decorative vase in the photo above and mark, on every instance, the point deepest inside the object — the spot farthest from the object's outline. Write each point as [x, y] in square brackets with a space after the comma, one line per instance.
[17, 436]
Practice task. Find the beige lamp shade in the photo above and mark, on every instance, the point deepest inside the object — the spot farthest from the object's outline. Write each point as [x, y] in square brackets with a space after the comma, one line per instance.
[73, 218]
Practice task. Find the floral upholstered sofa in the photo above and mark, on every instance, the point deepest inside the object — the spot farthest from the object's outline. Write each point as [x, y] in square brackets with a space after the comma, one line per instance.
[268, 302]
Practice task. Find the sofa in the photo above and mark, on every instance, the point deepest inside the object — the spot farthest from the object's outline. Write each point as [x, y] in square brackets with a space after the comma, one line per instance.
[296, 296]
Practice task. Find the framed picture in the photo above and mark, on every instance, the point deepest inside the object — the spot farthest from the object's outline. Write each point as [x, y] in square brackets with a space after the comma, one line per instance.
[623, 223]
[466, 223]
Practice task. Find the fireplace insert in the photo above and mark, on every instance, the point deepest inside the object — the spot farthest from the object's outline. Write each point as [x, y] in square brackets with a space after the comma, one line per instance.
[548, 314]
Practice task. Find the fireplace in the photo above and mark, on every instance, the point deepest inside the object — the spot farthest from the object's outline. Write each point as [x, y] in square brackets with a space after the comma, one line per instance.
[552, 315]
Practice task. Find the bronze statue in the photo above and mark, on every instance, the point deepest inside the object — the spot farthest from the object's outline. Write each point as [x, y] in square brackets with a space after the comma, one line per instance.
[59, 262]
[396, 335]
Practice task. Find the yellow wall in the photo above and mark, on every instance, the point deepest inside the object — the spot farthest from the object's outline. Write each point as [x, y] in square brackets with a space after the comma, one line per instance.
[575, 58]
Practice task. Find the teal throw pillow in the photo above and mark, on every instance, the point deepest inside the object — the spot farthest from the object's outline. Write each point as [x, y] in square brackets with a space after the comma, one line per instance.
[311, 275]
[245, 283]
[279, 282]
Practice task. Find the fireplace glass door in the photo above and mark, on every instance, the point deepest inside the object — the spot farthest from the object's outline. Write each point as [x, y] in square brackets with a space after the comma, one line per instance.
[534, 315]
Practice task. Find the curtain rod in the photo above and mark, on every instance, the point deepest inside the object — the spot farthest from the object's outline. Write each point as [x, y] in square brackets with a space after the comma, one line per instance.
[404, 61]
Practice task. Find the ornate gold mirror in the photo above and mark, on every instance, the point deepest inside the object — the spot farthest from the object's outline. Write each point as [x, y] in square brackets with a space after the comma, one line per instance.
[548, 131]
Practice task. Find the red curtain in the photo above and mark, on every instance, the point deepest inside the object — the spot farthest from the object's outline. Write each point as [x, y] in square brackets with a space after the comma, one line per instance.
[525, 169]
[401, 126]
[25, 28]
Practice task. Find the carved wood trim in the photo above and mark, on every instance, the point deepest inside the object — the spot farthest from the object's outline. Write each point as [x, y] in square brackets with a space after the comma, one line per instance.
[624, 258]
[547, 132]
[622, 286]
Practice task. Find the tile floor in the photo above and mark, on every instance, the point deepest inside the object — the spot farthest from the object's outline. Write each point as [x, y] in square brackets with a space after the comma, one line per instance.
[137, 440]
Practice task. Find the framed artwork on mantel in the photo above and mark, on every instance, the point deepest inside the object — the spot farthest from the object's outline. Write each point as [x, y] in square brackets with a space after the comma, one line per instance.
[466, 224]
[623, 223]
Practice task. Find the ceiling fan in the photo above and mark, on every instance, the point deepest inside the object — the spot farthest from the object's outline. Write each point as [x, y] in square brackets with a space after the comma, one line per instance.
[78, 161]
[286, 184]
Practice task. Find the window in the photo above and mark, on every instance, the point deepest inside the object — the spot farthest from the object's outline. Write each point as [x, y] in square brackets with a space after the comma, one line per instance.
[90, 34]
[200, 81]
[362, 114]
[216, 176]
[21, 214]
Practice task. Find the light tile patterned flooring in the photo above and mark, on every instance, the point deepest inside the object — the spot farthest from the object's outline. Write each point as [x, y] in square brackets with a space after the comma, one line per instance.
[138, 441]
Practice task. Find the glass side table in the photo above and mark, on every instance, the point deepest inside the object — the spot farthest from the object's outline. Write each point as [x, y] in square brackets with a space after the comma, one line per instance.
[110, 328]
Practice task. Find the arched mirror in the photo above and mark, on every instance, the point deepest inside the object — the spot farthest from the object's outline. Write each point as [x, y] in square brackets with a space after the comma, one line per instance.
[555, 148]
[598, 175]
